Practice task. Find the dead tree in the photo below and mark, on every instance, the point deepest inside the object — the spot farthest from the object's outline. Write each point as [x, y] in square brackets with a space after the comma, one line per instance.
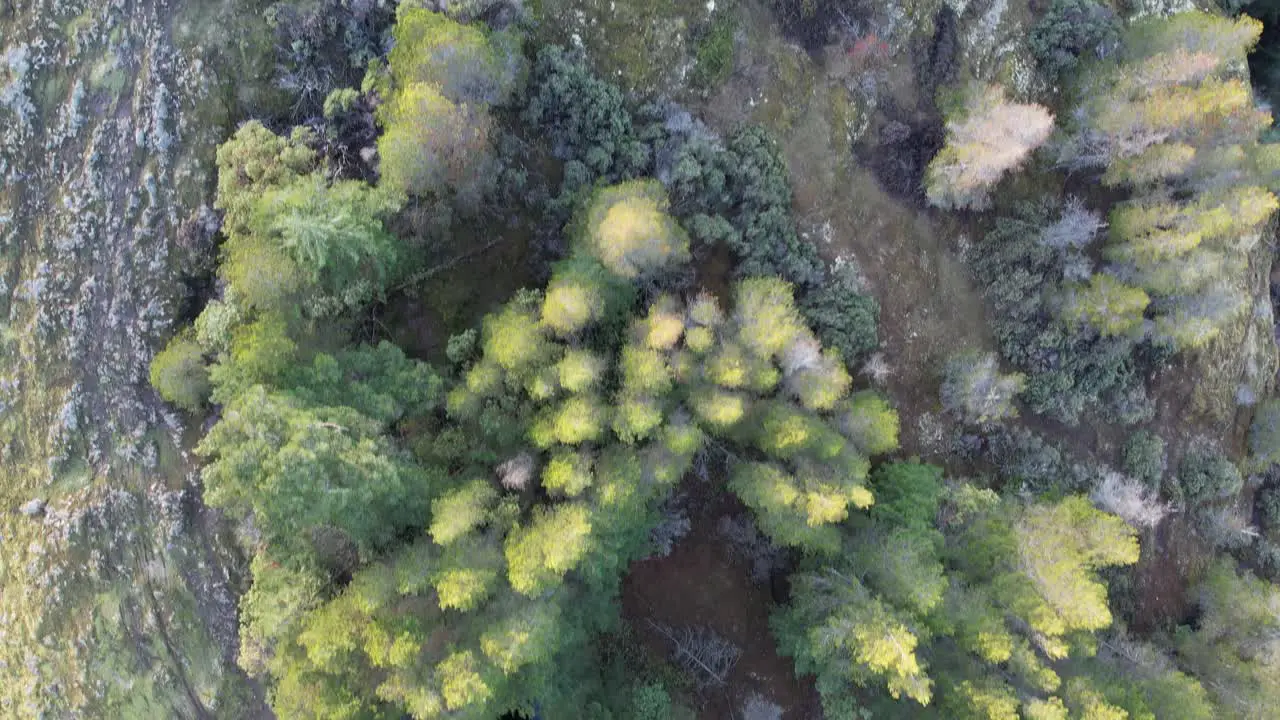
[706, 656]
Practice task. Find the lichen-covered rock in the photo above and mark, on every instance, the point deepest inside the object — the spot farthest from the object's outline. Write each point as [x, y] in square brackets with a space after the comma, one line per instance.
[119, 598]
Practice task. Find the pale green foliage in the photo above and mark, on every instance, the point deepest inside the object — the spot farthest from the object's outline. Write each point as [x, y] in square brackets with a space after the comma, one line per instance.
[645, 371]
[1050, 709]
[570, 306]
[470, 570]
[575, 420]
[765, 313]
[461, 510]
[837, 630]
[214, 325]
[459, 59]
[255, 160]
[431, 146]
[272, 609]
[179, 374]
[513, 338]
[1174, 121]
[579, 370]
[799, 510]
[991, 137]
[870, 422]
[567, 473]
[1108, 305]
[628, 229]
[553, 543]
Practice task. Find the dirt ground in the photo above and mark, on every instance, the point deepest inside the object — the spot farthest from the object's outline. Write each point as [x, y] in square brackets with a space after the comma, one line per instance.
[701, 584]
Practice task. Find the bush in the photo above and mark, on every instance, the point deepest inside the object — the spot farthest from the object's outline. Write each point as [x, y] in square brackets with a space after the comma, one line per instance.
[1069, 370]
[1268, 504]
[1072, 30]
[651, 701]
[1206, 474]
[1143, 457]
[179, 374]
[1264, 434]
[976, 391]
[843, 317]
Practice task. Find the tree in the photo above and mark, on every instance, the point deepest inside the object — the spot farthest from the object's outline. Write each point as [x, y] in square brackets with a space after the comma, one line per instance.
[514, 340]
[179, 373]
[431, 146]
[1070, 31]
[836, 629]
[1206, 474]
[298, 468]
[1233, 649]
[461, 510]
[799, 510]
[870, 422]
[555, 542]
[255, 160]
[975, 390]
[628, 229]
[466, 65]
[987, 139]
[765, 314]
[1108, 305]
[334, 234]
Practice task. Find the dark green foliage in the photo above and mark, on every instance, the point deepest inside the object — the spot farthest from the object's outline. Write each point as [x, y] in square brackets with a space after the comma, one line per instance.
[1264, 434]
[1072, 31]
[651, 702]
[1069, 370]
[584, 117]
[745, 183]
[1206, 474]
[379, 381]
[1143, 457]
[335, 236]
[1268, 503]
[842, 316]
[907, 495]
[299, 468]
[1027, 461]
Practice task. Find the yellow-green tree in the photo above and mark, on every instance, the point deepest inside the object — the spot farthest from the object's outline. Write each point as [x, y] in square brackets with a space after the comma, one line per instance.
[627, 228]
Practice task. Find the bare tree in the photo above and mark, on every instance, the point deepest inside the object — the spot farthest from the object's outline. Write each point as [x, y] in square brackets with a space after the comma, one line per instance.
[1137, 504]
[1076, 227]
[702, 653]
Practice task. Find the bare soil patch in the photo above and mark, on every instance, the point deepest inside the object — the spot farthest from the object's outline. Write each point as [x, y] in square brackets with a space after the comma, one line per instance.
[701, 584]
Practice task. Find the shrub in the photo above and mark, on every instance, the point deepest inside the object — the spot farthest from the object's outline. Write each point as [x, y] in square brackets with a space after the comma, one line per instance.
[1268, 504]
[1206, 474]
[1069, 370]
[1143, 457]
[651, 701]
[1264, 434]
[842, 316]
[179, 374]
[1073, 30]
[976, 391]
